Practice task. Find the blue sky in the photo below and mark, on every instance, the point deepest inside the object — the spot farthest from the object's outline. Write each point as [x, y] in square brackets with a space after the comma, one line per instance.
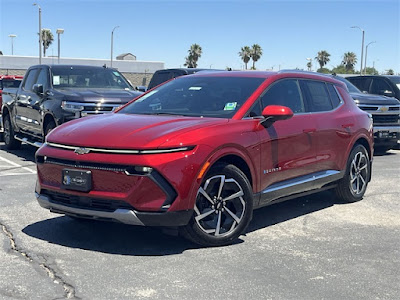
[158, 30]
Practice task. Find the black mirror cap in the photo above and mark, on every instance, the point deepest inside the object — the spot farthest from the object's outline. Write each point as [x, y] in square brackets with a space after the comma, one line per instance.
[38, 89]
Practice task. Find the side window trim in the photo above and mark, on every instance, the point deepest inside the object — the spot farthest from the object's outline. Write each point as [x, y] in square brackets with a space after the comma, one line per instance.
[37, 71]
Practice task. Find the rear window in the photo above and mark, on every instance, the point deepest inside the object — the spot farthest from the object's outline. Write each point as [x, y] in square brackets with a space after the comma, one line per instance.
[5, 83]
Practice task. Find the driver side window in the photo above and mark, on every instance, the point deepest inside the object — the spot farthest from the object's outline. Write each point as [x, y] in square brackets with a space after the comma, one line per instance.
[285, 92]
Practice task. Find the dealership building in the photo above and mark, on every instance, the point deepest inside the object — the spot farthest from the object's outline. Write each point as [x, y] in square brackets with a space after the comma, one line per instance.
[138, 72]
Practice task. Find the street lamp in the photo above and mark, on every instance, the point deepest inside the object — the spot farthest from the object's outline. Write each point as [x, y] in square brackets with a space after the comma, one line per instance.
[40, 32]
[362, 47]
[12, 36]
[59, 31]
[112, 42]
[366, 53]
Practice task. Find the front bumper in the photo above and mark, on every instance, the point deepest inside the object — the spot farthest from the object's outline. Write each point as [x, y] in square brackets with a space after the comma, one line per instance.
[386, 135]
[126, 216]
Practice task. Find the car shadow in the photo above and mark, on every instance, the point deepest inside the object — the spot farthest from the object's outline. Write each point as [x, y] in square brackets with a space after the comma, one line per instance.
[116, 238]
[26, 152]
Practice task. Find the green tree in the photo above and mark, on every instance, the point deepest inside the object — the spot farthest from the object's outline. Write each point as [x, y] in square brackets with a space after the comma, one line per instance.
[245, 55]
[322, 58]
[195, 52]
[349, 60]
[324, 70]
[339, 69]
[256, 53]
[389, 72]
[371, 71]
[47, 39]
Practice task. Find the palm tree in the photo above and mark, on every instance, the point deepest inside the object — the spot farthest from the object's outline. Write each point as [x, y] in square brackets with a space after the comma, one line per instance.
[349, 60]
[245, 55]
[47, 39]
[322, 58]
[195, 52]
[256, 52]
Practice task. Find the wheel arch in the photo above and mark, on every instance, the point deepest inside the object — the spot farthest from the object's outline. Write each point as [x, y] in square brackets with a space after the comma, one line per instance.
[238, 162]
[364, 142]
[48, 118]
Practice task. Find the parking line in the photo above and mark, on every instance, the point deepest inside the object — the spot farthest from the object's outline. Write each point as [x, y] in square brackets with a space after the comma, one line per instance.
[17, 165]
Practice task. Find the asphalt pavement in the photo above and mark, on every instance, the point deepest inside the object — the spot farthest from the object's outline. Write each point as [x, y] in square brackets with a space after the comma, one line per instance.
[312, 247]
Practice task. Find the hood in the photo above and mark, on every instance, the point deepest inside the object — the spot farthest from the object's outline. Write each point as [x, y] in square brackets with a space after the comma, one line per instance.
[371, 99]
[124, 131]
[104, 95]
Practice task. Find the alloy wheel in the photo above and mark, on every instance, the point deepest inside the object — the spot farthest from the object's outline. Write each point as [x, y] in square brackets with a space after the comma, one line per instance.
[359, 173]
[220, 206]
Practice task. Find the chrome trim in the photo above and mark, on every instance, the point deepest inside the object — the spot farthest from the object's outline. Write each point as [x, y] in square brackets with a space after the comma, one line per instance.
[120, 151]
[125, 216]
[301, 180]
[26, 141]
[386, 128]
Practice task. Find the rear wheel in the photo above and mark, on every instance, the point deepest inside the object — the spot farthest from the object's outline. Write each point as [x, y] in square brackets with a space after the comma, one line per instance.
[353, 185]
[223, 208]
[8, 135]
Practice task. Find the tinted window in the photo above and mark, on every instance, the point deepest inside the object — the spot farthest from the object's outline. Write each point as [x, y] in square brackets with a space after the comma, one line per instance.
[285, 92]
[218, 97]
[160, 77]
[362, 83]
[30, 79]
[380, 86]
[9, 83]
[318, 96]
[334, 95]
[43, 79]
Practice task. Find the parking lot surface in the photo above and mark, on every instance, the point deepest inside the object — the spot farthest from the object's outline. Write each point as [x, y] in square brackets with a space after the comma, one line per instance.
[312, 247]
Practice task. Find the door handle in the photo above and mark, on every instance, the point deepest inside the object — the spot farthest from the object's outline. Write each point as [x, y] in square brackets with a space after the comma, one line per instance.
[309, 130]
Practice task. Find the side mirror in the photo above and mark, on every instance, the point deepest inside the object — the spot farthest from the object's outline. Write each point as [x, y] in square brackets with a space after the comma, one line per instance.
[38, 89]
[277, 112]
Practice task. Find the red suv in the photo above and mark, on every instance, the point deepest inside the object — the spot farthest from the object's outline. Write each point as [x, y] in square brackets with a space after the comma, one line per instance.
[200, 152]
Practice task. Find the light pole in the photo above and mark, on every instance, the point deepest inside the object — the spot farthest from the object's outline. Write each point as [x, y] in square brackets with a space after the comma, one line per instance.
[59, 31]
[366, 53]
[112, 42]
[12, 36]
[40, 32]
[309, 64]
[362, 47]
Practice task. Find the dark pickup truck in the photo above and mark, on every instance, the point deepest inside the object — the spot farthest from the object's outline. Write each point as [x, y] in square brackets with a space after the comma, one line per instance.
[50, 95]
[385, 113]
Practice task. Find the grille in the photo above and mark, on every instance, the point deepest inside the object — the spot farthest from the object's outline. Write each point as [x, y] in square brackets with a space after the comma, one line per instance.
[369, 108]
[85, 165]
[86, 202]
[385, 119]
[394, 108]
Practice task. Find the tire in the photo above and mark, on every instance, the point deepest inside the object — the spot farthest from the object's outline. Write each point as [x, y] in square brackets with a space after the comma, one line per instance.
[8, 135]
[49, 127]
[352, 186]
[219, 218]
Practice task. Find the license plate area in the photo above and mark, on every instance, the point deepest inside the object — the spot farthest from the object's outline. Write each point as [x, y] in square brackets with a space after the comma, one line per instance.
[76, 180]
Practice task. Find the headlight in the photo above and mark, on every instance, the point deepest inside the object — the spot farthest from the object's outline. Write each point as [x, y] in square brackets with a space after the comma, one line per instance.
[72, 107]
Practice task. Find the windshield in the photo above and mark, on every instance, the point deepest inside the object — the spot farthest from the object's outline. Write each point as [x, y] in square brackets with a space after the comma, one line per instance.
[217, 97]
[75, 77]
[351, 87]
[395, 80]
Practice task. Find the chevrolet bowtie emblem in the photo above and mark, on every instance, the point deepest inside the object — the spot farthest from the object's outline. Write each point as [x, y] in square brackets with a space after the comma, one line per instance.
[384, 108]
[81, 151]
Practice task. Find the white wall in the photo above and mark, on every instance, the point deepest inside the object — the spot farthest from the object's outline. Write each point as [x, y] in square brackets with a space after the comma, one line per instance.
[135, 66]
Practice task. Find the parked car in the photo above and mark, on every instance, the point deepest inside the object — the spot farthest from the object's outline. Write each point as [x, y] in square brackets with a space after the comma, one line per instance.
[161, 76]
[385, 85]
[50, 95]
[10, 82]
[200, 152]
[385, 113]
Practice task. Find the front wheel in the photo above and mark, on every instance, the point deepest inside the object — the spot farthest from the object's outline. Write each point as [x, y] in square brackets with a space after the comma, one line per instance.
[352, 186]
[9, 140]
[223, 208]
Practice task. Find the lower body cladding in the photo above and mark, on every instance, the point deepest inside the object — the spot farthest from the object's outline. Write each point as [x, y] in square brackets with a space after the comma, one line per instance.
[126, 216]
